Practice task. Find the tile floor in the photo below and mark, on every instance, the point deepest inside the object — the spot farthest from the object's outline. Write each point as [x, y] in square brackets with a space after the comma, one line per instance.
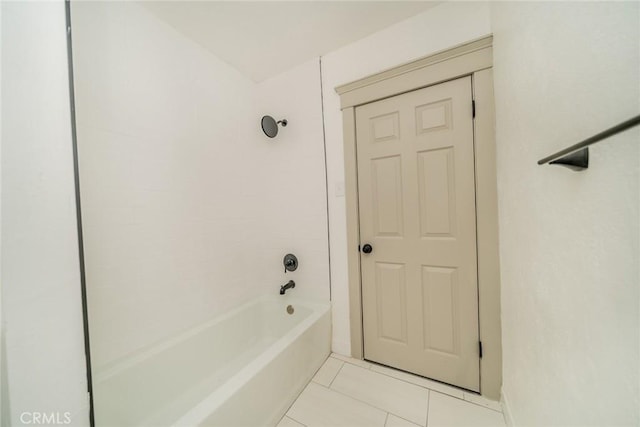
[349, 392]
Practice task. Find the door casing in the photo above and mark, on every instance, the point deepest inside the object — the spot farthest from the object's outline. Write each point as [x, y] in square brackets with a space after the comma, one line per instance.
[474, 59]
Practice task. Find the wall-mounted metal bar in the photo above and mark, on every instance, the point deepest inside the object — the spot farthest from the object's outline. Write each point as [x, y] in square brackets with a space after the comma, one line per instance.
[577, 156]
[76, 176]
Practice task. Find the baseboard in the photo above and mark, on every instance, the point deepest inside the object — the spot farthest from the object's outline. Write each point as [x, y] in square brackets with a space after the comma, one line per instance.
[341, 347]
[506, 410]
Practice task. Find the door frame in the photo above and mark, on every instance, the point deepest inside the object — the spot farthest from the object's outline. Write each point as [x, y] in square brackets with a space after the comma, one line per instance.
[474, 59]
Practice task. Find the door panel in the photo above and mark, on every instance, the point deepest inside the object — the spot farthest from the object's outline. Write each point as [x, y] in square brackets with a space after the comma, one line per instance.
[440, 307]
[436, 183]
[417, 209]
[392, 309]
[386, 177]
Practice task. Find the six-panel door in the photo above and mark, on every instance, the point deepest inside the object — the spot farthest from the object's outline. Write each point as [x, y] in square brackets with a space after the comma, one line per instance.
[417, 210]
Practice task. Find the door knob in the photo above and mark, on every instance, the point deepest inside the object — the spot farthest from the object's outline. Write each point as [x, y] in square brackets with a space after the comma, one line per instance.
[367, 248]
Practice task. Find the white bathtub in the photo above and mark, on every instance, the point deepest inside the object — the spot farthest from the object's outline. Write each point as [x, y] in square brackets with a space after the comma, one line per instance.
[242, 369]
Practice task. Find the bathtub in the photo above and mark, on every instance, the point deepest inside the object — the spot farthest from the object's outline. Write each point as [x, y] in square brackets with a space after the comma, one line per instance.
[244, 368]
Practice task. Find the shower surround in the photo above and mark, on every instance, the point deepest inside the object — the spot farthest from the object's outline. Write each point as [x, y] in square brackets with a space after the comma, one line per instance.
[188, 208]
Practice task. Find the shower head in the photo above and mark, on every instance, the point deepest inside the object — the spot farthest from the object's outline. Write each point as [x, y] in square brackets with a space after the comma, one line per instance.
[270, 126]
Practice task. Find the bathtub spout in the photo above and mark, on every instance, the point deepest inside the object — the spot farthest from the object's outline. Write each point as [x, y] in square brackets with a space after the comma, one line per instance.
[290, 284]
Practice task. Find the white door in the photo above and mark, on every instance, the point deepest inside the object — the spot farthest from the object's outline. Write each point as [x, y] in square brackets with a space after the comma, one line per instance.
[416, 191]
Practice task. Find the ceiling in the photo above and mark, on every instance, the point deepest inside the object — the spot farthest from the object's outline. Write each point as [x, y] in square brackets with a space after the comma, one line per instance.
[264, 38]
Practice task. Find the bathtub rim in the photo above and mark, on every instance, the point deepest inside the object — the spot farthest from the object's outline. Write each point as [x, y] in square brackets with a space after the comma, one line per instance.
[202, 410]
[119, 365]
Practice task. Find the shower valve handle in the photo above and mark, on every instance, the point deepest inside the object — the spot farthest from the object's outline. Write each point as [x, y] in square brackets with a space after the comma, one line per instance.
[290, 262]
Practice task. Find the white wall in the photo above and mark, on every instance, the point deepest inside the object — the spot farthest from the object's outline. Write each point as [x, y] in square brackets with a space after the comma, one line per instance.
[444, 26]
[568, 241]
[40, 270]
[188, 208]
[289, 183]
[160, 125]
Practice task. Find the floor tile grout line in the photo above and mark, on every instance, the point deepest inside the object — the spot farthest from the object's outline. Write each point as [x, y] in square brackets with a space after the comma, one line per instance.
[426, 422]
[286, 412]
[355, 398]
[407, 382]
[288, 416]
[351, 360]
[387, 412]
[437, 391]
[418, 385]
[467, 401]
[409, 421]
[410, 382]
[432, 389]
[368, 403]
[368, 365]
[481, 405]
[419, 379]
[336, 375]
[359, 366]
[312, 380]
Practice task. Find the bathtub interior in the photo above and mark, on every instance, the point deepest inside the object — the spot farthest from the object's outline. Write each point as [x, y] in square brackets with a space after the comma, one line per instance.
[168, 379]
[272, 387]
